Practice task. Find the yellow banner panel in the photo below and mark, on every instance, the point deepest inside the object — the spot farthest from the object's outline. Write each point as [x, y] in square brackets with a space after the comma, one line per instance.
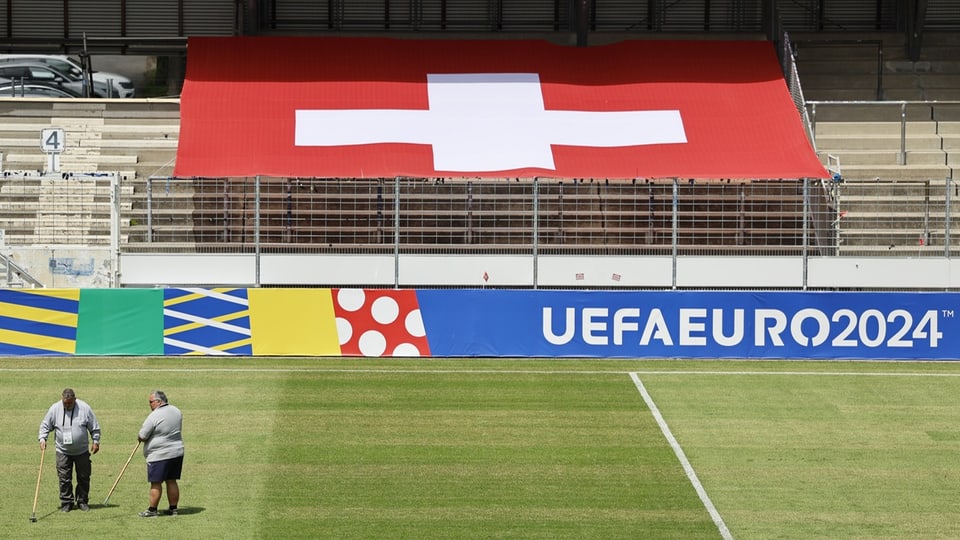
[293, 322]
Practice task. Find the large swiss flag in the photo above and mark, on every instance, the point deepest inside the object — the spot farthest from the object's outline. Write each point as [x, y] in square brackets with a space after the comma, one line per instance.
[375, 107]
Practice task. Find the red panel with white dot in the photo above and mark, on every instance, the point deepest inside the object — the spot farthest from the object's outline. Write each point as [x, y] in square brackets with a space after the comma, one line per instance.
[379, 322]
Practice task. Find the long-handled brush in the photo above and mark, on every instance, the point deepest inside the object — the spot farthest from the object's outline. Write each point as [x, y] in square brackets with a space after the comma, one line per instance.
[119, 476]
[36, 494]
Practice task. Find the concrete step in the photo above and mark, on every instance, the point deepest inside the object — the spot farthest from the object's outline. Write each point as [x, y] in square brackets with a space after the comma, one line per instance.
[15, 195]
[85, 223]
[876, 208]
[882, 111]
[885, 157]
[951, 143]
[842, 92]
[875, 129]
[938, 52]
[842, 79]
[855, 220]
[901, 190]
[884, 237]
[926, 250]
[839, 94]
[68, 161]
[831, 143]
[828, 64]
[897, 172]
[922, 94]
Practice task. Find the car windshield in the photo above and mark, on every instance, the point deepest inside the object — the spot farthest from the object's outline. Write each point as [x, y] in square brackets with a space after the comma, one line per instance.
[65, 67]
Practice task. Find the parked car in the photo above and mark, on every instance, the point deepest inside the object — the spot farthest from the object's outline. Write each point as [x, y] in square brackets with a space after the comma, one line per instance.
[27, 72]
[105, 84]
[10, 88]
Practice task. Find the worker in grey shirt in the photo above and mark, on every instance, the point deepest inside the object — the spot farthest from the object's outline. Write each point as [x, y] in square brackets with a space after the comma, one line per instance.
[163, 450]
[71, 420]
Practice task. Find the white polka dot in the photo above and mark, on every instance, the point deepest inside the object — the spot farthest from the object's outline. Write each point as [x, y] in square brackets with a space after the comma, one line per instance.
[344, 330]
[414, 324]
[385, 310]
[406, 349]
[351, 299]
[372, 343]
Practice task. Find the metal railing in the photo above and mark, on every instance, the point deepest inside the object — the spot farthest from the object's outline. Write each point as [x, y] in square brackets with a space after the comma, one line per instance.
[788, 64]
[16, 275]
[676, 219]
[584, 216]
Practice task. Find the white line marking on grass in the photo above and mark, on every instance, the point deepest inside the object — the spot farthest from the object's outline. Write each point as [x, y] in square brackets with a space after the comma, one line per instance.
[827, 373]
[467, 371]
[318, 370]
[687, 467]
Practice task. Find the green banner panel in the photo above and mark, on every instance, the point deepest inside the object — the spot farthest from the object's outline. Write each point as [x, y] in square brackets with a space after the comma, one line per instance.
[120, 321]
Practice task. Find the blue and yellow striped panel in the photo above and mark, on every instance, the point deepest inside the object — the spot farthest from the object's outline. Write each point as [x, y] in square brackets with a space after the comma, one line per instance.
[206, 322]
[38, 322]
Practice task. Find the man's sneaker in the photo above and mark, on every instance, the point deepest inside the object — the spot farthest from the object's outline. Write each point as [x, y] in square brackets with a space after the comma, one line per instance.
[66, 507]
[148, 513]
[84, 507]
[171, 512]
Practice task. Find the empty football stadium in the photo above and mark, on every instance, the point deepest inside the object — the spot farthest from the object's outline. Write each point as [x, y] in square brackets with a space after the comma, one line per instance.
[487, 268]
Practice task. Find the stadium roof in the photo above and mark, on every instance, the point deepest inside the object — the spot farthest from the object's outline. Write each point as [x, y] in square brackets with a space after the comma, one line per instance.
[379, 107]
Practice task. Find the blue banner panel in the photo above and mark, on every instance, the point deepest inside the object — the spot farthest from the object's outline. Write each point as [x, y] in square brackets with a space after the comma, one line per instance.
[703, 324]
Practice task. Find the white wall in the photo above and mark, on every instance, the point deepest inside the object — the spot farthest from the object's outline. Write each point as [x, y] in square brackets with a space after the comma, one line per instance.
[549, 271]
[64, 267]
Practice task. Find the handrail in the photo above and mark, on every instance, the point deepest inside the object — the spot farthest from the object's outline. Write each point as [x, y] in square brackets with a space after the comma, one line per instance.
[789, 65]
[15, 268]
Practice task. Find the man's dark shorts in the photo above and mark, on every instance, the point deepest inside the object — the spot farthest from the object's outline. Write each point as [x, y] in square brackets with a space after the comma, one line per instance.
[167, 469]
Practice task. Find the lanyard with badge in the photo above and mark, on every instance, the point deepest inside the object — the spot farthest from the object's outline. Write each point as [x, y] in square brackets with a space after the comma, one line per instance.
[68, 433]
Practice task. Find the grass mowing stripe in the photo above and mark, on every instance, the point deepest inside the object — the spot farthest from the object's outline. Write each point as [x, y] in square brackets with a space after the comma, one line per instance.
[348, 455]
[684, 462]
[805, 457]
[482, 372]
[467, 456]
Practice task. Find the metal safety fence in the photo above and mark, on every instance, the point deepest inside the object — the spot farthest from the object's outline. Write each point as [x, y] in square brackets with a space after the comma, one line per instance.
[77, 229]
[546, 216]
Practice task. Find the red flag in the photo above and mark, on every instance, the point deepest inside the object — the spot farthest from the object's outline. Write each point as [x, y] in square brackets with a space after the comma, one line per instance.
[376, 107]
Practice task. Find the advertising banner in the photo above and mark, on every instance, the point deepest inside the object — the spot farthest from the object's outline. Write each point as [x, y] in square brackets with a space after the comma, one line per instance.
[479, 323]
[672, 324]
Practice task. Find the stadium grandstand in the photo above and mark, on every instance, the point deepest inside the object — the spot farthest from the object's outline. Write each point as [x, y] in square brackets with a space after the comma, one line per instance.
[816, 146]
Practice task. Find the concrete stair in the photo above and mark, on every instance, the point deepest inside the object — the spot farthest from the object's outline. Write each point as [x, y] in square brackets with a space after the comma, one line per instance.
[52, 210]
[898, 161]
[137, 138]
[896, 215]
[851, 67]
[870, 149]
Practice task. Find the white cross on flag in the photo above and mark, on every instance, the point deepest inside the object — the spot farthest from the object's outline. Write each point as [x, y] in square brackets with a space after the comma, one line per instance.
[373, 107]
[467, 119]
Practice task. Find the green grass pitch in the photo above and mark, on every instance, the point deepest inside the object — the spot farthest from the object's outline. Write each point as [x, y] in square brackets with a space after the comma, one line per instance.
[479, 448]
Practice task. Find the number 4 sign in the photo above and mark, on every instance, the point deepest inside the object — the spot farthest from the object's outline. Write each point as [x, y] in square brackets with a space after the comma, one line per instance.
[52, 140]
